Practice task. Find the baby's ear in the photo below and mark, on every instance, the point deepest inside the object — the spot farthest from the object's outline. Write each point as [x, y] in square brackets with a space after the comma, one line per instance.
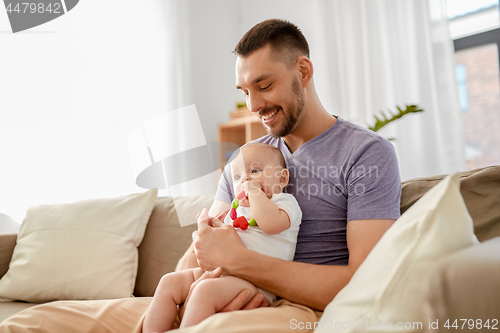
[284, 178]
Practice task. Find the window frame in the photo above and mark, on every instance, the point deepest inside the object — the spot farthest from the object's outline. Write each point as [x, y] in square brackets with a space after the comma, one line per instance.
[479, 39]
[482, 38]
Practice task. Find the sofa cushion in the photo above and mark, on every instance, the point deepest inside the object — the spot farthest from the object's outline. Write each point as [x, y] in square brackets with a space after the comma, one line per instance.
[9, 308]
[387, 287]
[81, 250]
[480, 190]
[92, 316]
[126, 316]
[165, 240]
[466, 284]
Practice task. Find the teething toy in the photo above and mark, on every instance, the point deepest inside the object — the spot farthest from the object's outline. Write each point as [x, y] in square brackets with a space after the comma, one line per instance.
[241, 195]
[244, 224]
[233, 214]
[235, 203]
[240, 222]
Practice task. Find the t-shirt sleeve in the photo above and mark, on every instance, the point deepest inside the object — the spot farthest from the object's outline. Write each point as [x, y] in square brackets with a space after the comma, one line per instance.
[225, 187]
[373, 183]
[289, 205]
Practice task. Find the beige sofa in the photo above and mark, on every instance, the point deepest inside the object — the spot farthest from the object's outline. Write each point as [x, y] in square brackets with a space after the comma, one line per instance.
[465, 284]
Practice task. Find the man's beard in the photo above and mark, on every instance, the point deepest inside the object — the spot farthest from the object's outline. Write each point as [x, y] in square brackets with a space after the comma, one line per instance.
[291, 113]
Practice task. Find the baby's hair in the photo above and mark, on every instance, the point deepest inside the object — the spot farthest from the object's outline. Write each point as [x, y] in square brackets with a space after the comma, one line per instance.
[275, 151]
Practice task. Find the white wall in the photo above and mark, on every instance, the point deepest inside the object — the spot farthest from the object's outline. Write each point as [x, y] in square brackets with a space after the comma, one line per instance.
[71, 91]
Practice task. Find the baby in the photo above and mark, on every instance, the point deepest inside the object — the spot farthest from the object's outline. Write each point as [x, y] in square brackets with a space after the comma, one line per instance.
[258, 170]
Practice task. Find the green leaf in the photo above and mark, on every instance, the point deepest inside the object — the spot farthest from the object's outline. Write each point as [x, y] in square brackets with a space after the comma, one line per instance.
[381, 123]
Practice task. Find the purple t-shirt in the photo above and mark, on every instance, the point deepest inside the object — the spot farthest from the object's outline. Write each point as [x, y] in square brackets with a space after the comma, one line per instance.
[345, 173]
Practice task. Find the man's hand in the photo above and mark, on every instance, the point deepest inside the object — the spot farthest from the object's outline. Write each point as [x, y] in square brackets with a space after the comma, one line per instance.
[188, 260]
[241, 302]
[209, 233]
[203, 216]
[216, 245]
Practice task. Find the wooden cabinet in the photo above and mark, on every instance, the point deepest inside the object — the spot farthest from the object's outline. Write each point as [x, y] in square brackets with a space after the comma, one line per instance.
[239, 130]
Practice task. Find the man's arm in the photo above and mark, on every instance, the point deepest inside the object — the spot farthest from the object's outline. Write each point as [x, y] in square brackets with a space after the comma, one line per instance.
[188, 260]
[311, 285]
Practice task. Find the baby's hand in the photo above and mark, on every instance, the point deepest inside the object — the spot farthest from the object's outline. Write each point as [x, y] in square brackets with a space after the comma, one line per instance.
[252, 187]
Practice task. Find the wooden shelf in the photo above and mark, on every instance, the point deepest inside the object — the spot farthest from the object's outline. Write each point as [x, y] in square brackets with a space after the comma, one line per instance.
[239, 131]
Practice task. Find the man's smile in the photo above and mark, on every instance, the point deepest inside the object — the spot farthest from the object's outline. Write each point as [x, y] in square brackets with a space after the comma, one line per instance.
[269, 117]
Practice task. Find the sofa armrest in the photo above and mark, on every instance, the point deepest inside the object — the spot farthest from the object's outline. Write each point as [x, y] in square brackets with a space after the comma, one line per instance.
[7, 244]
[465, 285]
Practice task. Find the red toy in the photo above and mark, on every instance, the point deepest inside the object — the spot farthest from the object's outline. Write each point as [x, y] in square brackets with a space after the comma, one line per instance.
[239, 222]
[233, 214]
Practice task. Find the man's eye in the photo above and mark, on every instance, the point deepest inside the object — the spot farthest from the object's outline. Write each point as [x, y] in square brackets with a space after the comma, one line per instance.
[266, 87]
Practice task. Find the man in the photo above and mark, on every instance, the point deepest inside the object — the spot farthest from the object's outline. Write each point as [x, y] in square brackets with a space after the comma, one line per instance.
[344, 177]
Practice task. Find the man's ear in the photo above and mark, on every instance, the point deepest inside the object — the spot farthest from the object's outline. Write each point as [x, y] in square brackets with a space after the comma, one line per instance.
[306, 70]
[284, 178]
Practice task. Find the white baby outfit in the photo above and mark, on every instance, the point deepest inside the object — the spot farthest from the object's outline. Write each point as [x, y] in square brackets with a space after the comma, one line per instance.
[282, 245]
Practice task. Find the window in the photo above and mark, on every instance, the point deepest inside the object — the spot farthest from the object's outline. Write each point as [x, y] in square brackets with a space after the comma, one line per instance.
[461, 73]
[474, 26]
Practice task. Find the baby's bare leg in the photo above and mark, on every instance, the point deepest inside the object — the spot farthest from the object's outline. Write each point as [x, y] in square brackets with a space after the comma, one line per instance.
[171, 291]
[212, 295]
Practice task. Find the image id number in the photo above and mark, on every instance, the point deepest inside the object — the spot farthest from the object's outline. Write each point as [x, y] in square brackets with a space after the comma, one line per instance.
[472, 324]
[33, 7]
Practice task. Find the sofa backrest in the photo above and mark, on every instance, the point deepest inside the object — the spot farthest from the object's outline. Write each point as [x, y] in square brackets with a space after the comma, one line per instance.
[165, 241]
[7, 244]
[480, 189]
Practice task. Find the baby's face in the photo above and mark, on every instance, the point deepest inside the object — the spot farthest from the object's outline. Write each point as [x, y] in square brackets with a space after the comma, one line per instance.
[260, 165]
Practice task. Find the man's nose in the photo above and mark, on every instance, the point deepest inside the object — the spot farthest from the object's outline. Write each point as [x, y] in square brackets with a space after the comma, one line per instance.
[254, 102]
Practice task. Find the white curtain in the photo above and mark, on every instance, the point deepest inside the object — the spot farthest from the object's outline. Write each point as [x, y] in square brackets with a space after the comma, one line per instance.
[384, 53]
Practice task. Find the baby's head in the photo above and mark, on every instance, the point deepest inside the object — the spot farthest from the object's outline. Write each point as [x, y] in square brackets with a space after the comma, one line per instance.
[260, 162]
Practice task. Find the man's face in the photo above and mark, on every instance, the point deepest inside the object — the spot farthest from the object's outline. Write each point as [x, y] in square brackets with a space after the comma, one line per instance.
[272, 91]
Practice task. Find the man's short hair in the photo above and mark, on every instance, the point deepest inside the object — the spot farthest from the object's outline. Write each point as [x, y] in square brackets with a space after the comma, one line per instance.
[285, 38]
